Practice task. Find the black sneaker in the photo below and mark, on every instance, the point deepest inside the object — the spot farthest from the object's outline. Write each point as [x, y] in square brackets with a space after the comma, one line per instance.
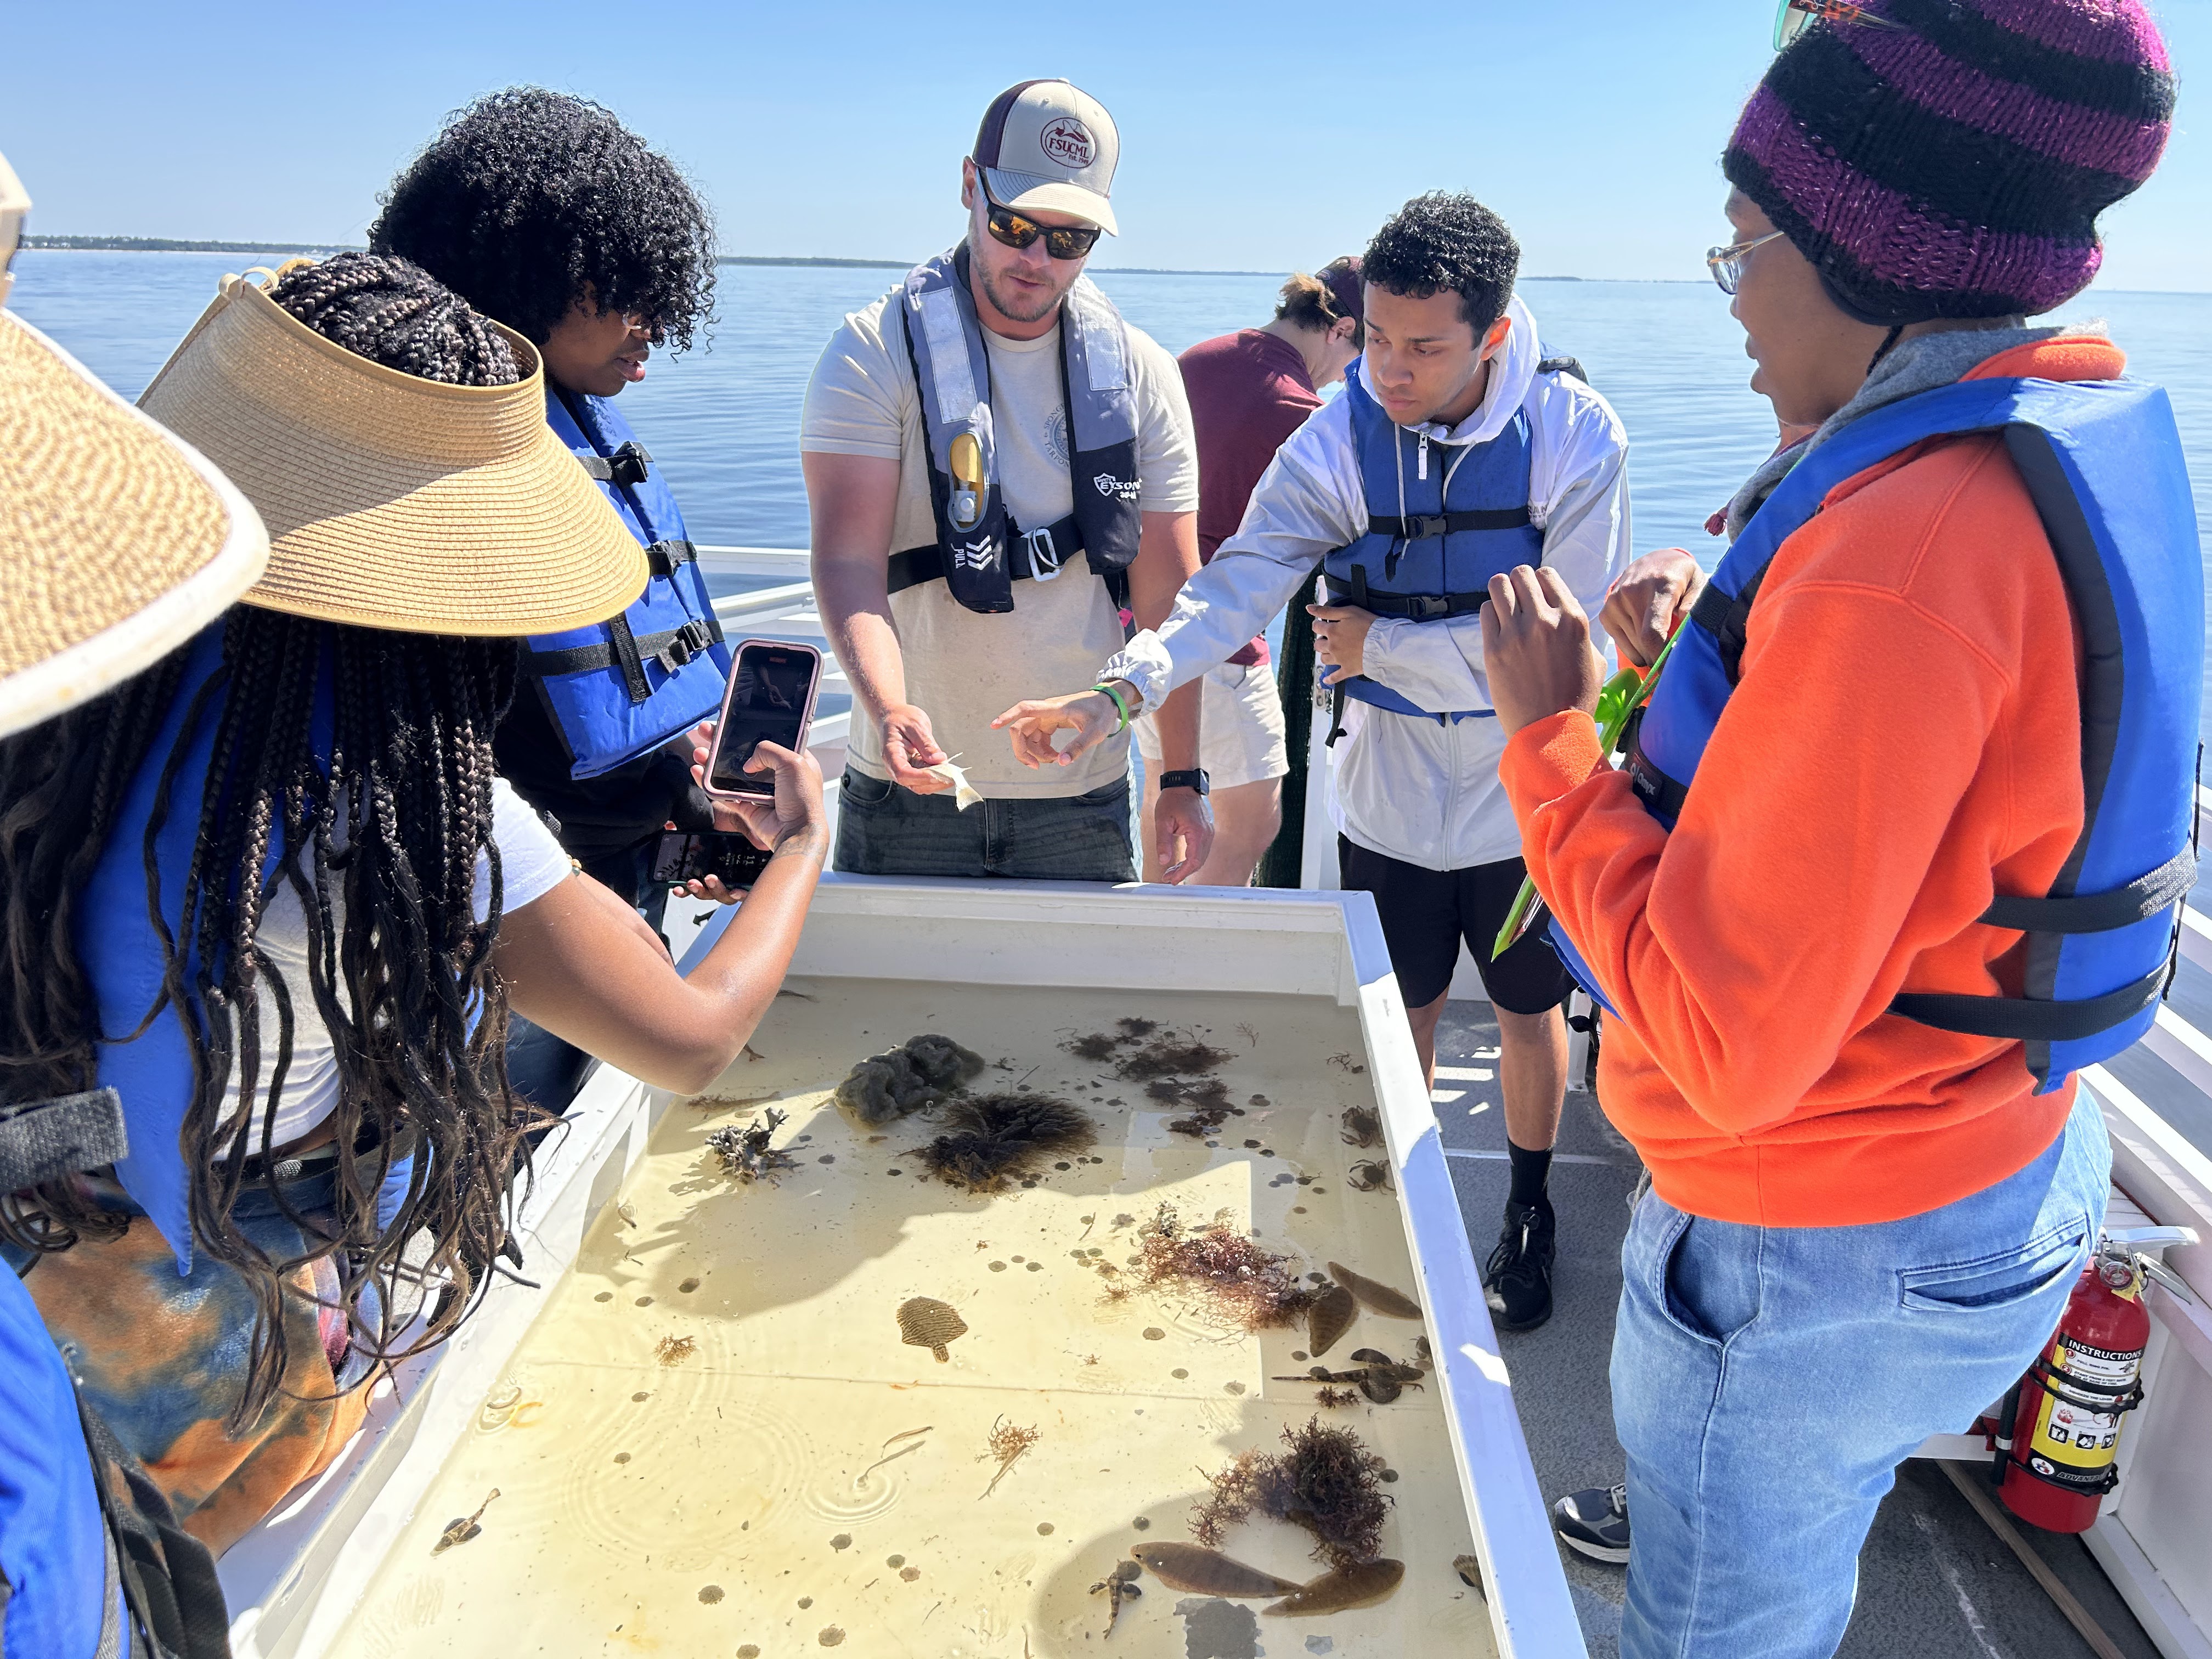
[1595, 1522]
[1517, 1281]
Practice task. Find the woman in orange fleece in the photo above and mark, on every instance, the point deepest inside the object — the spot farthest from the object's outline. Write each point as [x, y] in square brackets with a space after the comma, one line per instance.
[1864, 1220]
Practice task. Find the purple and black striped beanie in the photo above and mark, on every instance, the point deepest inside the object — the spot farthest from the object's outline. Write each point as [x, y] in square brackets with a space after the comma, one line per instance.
[1954, 167]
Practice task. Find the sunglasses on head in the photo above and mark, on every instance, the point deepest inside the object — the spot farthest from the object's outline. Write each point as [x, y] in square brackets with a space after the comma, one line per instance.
[1019, 230]
[1795, 16]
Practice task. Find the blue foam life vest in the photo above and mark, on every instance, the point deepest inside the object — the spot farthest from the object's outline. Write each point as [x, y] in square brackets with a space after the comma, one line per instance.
[59, 1582]
[2103, 463]
[152, 1068]
[1441, 520]
[621, 688]
[979, 551]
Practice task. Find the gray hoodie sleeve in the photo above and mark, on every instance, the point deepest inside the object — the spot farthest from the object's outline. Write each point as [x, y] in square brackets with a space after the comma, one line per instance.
[1307, 504]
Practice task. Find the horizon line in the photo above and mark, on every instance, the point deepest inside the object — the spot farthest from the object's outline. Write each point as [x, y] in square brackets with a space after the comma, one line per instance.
[53, 242]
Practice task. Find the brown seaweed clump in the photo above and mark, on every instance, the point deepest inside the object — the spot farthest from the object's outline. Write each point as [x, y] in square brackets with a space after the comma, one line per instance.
[1170, 1056]
[992, 1139]
[1208, 1101]
[745, 1152]
[675, 1350]
[1249, 1286]
[1096, 1046]
[1327, 1482]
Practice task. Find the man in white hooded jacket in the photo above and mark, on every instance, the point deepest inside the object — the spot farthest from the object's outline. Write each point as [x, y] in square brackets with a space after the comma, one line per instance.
[1458, 450]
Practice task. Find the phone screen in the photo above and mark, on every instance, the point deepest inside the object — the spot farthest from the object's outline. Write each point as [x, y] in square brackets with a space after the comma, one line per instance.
[772, 687]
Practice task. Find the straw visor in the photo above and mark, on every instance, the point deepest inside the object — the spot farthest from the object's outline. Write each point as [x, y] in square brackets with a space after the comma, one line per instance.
[394, 501]
[118, 542]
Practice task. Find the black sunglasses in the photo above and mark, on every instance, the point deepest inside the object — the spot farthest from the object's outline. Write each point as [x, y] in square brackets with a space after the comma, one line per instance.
[1061, 241]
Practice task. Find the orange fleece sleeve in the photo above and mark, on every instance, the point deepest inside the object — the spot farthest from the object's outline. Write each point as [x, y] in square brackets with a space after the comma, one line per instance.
[1746, 946]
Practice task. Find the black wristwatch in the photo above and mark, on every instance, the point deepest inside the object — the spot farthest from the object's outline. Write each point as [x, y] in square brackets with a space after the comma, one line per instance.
[1194, 779]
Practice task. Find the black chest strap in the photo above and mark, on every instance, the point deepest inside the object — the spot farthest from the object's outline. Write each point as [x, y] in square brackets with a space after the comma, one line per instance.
[1031, 556]
[671, 648]
[1427, 526]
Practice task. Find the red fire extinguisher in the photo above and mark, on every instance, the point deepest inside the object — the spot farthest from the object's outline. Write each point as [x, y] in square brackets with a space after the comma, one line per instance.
[2065, 1431]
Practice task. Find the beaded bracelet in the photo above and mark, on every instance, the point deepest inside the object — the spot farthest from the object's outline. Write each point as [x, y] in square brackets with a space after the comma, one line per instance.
[1118, 703]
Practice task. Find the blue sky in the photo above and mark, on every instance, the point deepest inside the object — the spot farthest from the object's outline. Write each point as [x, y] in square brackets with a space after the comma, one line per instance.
[1254, 136]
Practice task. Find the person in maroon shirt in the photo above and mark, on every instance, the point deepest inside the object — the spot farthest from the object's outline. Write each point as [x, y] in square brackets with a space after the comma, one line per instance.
[1249, 391]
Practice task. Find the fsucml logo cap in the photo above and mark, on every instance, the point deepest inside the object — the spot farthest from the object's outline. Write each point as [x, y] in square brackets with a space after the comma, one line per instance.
[1048, 146]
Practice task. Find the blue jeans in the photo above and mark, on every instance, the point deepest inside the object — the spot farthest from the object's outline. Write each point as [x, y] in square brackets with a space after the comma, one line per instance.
[1767, 1381]
[886, 830]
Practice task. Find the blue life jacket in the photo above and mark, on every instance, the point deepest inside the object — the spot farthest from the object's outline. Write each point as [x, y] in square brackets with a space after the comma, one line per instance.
[1441, 520]
[59, 1582]
[122, 955]
[2103, 463]
[623, 687]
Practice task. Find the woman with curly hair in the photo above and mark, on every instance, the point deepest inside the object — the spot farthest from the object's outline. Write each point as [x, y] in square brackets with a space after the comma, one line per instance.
[274, 893]
[544, 211]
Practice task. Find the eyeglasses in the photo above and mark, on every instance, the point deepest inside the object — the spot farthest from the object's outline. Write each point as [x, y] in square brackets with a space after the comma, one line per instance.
[1727, 263]
[1795, 16]
[1061, 241]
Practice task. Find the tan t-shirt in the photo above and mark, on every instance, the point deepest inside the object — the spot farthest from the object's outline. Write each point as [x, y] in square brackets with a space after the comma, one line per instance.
[964, 669]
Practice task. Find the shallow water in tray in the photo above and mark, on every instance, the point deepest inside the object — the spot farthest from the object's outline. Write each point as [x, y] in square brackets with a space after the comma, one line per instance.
[714, 1440]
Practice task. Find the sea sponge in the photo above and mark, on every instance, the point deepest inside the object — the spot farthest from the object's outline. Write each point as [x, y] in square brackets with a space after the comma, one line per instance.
[941, 1062]
[884, 1087]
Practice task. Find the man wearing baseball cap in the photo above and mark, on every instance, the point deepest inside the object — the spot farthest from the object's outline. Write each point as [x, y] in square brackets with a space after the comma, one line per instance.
[1248, 392]
[1001, 473]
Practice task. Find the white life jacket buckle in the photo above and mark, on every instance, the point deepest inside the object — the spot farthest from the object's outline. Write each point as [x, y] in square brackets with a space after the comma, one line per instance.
[1044, 557]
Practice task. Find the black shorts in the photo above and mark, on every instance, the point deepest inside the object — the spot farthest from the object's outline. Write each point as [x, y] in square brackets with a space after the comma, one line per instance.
[1425, 913]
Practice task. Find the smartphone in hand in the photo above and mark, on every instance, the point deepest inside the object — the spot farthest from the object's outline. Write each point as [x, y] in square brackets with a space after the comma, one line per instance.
[681, 858]
[770, 699]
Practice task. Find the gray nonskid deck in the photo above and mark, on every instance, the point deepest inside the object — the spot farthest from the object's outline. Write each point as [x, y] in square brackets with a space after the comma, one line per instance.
[1934, 1581]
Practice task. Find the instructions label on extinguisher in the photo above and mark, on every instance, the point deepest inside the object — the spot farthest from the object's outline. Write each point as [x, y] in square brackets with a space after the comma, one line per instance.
[2074, 1436]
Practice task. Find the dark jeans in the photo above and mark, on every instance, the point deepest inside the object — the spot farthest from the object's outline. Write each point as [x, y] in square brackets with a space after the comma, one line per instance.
[542, 1068]
[885, 831]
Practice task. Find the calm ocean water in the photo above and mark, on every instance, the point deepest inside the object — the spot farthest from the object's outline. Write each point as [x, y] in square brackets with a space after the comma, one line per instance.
[724, 419]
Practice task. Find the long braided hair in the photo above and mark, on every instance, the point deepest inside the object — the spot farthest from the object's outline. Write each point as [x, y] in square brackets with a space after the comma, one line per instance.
[379, 829]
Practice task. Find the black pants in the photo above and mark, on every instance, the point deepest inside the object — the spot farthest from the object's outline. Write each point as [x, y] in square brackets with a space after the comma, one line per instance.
[1426, 913]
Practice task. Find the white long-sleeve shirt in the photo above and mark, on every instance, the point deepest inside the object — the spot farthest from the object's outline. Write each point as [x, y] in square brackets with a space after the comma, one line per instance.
[1416, 790]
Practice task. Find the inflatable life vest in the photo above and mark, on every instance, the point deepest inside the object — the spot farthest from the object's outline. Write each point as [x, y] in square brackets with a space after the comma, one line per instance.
[1441, 520]
[620, 687]
[979, 551]
[151, 1069]
[92, 1560]
[2103, 463]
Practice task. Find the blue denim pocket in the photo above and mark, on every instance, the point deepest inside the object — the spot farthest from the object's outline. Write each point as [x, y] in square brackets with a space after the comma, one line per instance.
[2000, 1279]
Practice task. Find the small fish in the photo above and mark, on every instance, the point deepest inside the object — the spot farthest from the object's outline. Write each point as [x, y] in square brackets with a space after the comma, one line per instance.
[1329, 1317]
[926, 1322]
[1470, 1574]
[1208, 1573]
[462, 1528]
[1361, 1585]
[1375, 1297]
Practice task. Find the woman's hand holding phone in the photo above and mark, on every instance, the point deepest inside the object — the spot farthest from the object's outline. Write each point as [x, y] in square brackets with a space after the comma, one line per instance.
[794, 819]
